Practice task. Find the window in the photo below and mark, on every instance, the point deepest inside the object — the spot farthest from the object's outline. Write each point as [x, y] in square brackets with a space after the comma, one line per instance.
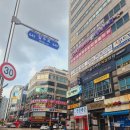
[124, 83]
[111, 13]
[51, 90]
[103, 88]
[119, 23]
[89, 89]
[61, 86]
[113, 27]
[123, 61]
[61, 92]
[106, 18]
[126, 18]
[116, 8]
[122, 3]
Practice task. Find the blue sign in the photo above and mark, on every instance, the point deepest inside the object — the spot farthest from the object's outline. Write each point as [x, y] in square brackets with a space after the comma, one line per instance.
[48, 41]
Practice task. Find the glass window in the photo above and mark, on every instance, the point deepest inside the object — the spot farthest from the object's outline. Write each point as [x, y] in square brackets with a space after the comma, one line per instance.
[122, 84]
[61, 92]
[51, 90]
[116, 8]
[102, 88]
[122, 61]
[119, 23]
[126, 58]
[61, 86]
[113, 27]
[122, 3]
[126, 18]
[128, 81]
[111, 13]
[106, 18]
[118, 62]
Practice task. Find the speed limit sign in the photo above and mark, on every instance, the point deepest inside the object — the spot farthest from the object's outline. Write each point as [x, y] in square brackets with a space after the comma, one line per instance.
[8, 71]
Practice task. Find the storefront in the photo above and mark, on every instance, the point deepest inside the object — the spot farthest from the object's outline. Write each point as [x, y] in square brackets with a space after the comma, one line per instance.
[97, 122]
[81, 117]
[117, 112]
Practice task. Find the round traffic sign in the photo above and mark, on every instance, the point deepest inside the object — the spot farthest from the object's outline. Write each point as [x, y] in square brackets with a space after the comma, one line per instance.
[8, 71]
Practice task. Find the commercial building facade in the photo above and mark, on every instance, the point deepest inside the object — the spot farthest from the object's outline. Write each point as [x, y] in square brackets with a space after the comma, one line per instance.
[46, 97]
[15, 105]
[3, 108]
[99, 55]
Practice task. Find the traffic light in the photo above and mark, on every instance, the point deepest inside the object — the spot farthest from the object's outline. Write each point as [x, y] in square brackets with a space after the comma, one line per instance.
[79, 81]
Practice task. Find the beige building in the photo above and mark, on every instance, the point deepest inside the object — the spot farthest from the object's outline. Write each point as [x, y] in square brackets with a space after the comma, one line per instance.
[46, 97]
[99, 38]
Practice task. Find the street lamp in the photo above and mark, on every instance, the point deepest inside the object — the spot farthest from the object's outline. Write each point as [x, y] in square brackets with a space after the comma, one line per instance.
[16, 21]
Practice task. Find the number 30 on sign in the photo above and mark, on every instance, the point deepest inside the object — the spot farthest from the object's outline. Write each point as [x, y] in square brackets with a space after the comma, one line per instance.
[8, 71]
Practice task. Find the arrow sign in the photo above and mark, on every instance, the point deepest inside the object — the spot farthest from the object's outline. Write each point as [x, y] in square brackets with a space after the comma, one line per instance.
[48, 41]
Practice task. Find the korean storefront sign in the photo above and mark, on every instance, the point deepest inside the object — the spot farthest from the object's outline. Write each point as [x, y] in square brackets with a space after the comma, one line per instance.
[73, 106]
[105, 52]
[52, 101]
[122, 41]
[96, 105]
[104, 77]
[117, 103]
[81, 111]
[74, 91]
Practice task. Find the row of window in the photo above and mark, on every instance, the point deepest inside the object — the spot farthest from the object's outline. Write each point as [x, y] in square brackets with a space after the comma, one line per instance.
[76, 6]
[104, 20]
[114, 27]
[123, 60]
[103, 88]
[61, 92]
[80, 10]
[58, 78]
[76, 69]
[114, 10]
[124, 83]
[93, 17]
[73, 2]
[120, 22]
[92, 90]
[84, 15]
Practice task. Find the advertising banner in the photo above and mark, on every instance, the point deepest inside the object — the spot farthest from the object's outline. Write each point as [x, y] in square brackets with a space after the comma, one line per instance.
[81, 111]
[117, 103]
[122, 41]
[74, 91]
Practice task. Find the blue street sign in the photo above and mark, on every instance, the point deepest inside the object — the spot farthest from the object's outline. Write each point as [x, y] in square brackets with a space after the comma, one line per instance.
[43, 39]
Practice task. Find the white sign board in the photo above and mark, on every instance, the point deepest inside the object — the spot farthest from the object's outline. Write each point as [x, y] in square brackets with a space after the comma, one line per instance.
[82, 111]
[8, 71]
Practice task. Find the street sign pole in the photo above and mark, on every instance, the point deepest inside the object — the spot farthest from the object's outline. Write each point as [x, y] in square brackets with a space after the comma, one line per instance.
[9, 42]
[15, 21]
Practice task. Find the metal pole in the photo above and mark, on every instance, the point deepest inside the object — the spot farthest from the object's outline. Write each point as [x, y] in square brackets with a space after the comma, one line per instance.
[9, 42]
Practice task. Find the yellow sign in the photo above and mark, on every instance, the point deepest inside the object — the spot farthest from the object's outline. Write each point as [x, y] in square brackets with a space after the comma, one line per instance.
[14, 97]
[106, 76]
[117, 103]
[73, 106]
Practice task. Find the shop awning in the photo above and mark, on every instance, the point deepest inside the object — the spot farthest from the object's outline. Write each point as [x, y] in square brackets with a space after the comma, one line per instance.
[115, 113]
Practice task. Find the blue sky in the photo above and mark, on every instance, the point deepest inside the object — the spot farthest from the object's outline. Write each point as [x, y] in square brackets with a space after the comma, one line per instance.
[28, 56]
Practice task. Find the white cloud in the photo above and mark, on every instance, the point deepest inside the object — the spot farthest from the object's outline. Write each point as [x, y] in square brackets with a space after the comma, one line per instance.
[6, 91]
[28, 56]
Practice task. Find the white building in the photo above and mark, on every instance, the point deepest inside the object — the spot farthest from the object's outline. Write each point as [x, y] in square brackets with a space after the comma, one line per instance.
[3, 107]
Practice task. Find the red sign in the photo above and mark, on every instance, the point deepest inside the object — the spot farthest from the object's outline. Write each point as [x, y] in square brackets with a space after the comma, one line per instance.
[90, 45]
[8, 71]
[51, 101]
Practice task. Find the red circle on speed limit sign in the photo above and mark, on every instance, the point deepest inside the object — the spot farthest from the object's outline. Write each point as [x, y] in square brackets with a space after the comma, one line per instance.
[8, 71]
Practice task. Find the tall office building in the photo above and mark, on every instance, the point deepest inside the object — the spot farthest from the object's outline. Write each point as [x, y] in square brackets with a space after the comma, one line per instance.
[99, 57]
[46, 97]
